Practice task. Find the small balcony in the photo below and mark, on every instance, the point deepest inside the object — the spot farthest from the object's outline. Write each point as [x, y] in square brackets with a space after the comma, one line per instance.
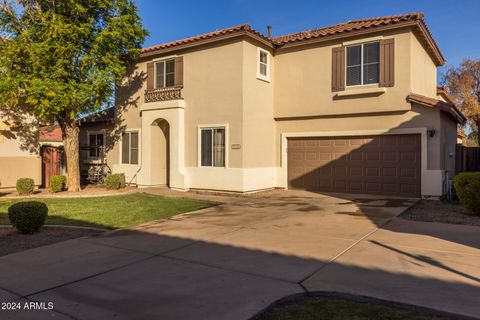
[163, 94]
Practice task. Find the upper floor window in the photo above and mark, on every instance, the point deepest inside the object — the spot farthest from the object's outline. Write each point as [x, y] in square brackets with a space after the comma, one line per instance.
[363, 64]
[165, 73]
[263, 69]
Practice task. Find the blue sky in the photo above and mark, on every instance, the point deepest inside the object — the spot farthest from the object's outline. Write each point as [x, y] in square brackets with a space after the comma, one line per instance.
[455, 25]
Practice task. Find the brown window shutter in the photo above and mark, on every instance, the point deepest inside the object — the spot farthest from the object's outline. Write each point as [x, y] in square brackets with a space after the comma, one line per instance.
[178, 72]
[338, 69]
[387, 63]
[150, 76]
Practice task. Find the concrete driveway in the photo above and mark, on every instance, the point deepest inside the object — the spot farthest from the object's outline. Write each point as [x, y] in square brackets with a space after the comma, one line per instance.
[233, 260]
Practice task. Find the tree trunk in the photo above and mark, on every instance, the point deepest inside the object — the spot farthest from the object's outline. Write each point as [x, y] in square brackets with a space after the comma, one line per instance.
[70, 143]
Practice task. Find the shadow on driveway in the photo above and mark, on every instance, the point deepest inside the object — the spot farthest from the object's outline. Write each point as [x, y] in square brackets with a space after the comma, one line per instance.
[233, 260]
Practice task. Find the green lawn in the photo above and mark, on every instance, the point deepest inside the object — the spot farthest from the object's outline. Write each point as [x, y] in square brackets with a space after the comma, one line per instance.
[112, 211]
[332, 308]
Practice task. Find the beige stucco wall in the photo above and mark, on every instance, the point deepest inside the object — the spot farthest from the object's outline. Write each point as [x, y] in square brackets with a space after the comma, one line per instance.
[212, 93]
[14, 168]
[258, 124]
[213, 96]
[423, 72]
[15, 161]
[303, 81]
[448, 136]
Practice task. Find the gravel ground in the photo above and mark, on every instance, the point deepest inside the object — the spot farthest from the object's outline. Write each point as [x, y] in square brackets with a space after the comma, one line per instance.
[11, 241]
[438, 211]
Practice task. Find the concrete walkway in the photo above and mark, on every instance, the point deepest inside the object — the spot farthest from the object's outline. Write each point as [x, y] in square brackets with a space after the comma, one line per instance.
[233, 260]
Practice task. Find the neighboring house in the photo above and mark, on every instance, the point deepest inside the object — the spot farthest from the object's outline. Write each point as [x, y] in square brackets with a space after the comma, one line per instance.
[349, 108]
[51, 151]
[51, 136]
[15, 161]
[461, 138]
[96, 141]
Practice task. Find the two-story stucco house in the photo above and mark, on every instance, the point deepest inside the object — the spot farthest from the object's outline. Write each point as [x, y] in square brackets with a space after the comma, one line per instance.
[348, 108]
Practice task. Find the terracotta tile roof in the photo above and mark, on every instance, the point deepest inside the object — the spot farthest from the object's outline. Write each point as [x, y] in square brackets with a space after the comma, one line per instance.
[370, 25]
[443, 92]
[51, 134]
[107, 115]
[442, 105]
[345, 29]
[244, 28]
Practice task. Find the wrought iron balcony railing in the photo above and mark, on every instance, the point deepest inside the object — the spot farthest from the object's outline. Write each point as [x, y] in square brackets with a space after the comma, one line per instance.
[163, 94]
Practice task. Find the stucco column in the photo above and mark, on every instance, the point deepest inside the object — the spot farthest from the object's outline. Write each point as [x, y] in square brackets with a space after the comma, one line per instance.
[172, 112]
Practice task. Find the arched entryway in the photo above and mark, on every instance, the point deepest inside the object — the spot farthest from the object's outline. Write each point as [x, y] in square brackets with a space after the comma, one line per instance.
[165, 114]
[160, 153]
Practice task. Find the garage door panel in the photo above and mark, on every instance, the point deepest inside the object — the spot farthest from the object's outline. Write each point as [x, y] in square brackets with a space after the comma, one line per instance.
[372, 187]
[389, 188]
[372, 156]
[324, 156]
[389, 172]
[407, 156]
[407, 172]
[356, 155]
[356, 187]
[388, 164]
[389, 156]
[372, 172]
[309, 156]
[340, 186]
[356, 172]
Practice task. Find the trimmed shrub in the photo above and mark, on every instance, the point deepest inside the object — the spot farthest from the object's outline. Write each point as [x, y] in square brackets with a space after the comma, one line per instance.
[467, 187]
[57, 183]
[25, 186]
[28, 217]
[115, 181]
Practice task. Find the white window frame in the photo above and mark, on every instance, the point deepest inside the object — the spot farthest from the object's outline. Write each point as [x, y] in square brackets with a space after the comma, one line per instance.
[199, 144]
[139, 148]
[91, 133]
[361, 64]
[164, 61]
[268, 65]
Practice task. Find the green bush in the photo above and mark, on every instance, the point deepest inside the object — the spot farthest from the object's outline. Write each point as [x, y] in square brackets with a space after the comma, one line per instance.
[25, 186]
[467, 187]
[28, 217]
[57, 183]
[115, 181]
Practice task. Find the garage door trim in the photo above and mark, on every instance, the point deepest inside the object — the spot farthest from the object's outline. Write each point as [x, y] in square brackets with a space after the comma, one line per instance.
[423, 142]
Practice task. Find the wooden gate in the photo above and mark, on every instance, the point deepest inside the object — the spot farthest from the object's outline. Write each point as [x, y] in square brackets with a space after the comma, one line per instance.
[467, 159]
[51, 163]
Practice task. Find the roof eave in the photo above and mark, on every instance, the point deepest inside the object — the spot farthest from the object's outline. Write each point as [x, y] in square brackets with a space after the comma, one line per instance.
[433, 47]
[202, 42]
[443, 106]
[419, 24]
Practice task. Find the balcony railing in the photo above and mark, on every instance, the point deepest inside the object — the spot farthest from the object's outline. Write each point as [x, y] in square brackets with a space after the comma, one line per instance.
[163, 94]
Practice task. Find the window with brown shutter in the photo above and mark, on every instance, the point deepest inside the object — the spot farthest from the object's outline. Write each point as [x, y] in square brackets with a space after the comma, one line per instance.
[150, 76]
[178, 72]
[387, 63]
[338, 69]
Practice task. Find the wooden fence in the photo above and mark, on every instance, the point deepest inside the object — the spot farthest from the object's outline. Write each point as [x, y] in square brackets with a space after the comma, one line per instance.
[467, 159]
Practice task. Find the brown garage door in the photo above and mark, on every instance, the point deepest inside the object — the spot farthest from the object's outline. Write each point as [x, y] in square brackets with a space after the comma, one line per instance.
[387, 164]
